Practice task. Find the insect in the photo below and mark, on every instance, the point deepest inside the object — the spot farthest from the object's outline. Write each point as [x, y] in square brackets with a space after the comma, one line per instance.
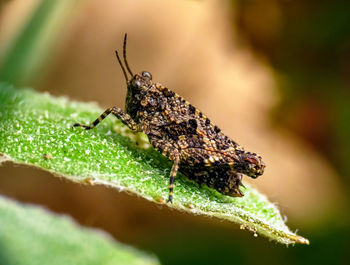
[184, 134]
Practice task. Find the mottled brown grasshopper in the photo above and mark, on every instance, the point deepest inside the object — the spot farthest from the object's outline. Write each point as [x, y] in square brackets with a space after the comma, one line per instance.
[184, 134]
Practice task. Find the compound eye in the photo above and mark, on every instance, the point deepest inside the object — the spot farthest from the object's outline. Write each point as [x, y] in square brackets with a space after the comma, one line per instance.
[147, 74]
[136, 83]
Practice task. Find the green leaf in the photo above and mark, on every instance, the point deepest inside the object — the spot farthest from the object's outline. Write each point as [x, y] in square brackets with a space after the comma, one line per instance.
[30, 235]
[34, 126]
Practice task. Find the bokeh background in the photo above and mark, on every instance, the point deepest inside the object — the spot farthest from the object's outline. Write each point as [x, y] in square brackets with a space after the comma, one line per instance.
[273, 74]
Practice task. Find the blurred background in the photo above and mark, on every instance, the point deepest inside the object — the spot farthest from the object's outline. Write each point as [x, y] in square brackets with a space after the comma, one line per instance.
[273, 74]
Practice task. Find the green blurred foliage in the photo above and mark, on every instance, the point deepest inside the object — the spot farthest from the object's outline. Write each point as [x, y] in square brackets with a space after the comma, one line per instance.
[30, 235]
[29, 53]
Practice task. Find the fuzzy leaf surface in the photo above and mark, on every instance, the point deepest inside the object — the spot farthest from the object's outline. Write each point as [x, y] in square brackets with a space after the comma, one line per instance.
[36, 129]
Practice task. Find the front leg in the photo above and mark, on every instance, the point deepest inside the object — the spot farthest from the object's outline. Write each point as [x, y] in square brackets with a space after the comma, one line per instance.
[124, 117]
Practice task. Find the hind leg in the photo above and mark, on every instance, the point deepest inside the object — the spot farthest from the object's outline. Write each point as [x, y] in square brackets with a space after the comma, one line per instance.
[173, 173]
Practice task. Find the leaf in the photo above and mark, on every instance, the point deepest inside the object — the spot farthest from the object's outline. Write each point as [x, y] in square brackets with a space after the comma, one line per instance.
[29, 235]
[36, 129]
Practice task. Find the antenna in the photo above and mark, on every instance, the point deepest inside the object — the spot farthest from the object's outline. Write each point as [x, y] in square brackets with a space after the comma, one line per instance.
[121, 65]
[124, 55]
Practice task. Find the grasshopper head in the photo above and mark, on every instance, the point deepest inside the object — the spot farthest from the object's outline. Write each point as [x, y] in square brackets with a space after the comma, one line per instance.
[141, 81]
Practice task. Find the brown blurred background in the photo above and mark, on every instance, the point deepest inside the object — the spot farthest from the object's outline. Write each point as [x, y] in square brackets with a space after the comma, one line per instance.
[274, 75]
